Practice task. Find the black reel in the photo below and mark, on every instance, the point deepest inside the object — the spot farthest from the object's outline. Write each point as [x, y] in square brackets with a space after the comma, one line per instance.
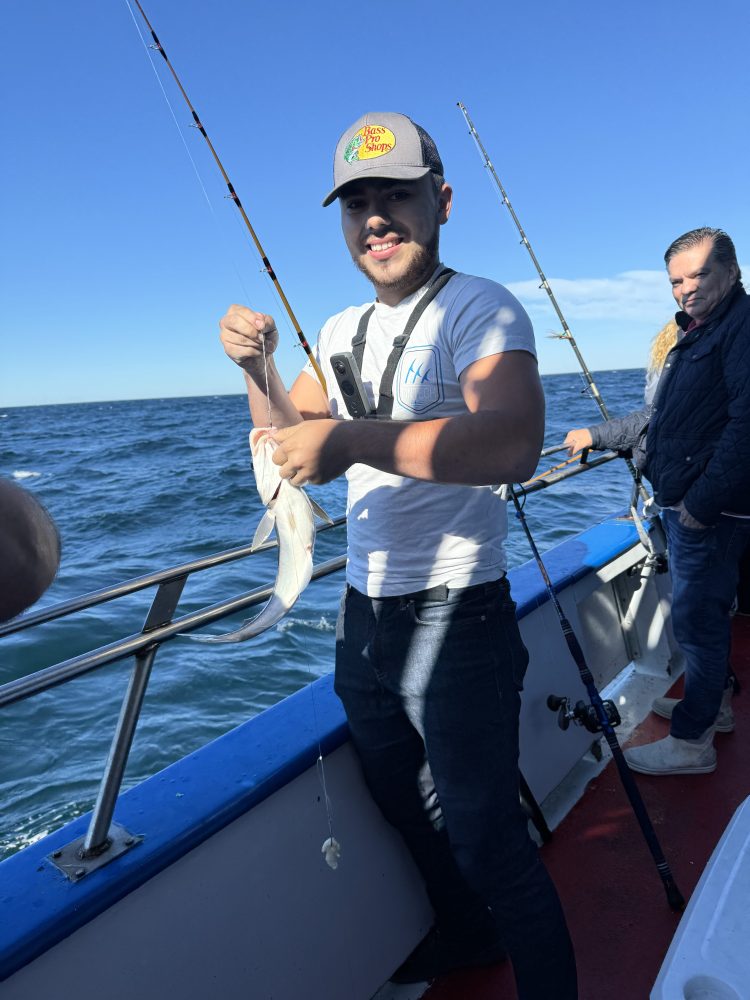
[582, 714]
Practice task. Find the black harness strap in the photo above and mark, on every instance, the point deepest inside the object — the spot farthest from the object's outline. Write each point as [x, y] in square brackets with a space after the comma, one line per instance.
[385, 399]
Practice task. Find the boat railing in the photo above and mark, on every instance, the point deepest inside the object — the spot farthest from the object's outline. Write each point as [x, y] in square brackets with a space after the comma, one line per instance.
[104, 840]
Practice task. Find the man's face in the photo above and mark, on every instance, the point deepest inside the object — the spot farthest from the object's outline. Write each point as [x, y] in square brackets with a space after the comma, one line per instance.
[700, 282]
[391, 230]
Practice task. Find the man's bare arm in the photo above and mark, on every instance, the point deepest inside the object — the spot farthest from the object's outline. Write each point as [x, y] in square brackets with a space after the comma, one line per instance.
[497, 441]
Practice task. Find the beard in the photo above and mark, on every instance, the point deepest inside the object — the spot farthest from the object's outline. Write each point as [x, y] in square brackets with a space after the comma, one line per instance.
[415, 274]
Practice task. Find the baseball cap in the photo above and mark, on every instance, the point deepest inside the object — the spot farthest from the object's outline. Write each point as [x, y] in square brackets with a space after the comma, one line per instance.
[383, 144]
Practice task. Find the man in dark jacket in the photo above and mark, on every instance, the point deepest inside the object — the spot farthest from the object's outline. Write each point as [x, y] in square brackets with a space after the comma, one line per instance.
[697, 457]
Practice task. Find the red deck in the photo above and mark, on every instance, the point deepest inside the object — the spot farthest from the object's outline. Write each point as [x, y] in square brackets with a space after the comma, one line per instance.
[610, 889]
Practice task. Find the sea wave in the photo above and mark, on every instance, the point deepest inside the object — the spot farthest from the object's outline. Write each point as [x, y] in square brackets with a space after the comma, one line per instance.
[322, 624]
[25, 474]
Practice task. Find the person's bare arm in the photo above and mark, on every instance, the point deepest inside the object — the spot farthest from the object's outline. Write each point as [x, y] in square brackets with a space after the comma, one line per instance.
[497, 441]
[250, 338]
[577, 440]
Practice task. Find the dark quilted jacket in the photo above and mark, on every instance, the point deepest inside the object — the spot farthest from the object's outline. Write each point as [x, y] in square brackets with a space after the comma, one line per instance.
[623, 434]
[698, 439]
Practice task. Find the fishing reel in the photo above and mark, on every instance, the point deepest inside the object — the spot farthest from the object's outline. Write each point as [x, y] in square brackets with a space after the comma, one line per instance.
[582, 714]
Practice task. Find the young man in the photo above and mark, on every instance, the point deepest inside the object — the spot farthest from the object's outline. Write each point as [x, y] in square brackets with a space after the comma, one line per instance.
[697, 457]
[429, 659]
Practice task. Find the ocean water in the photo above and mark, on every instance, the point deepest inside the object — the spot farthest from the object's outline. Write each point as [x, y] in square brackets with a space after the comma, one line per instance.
[142, 485]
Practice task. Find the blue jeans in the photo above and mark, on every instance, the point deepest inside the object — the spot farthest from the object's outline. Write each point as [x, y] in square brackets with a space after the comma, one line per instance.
[431, 691]
[704, 565]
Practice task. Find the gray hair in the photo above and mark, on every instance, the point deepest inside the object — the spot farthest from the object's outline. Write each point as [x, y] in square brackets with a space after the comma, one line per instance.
[723, 247]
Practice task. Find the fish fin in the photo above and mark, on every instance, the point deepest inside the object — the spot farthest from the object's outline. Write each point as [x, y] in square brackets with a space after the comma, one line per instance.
[264, 529]
[318, 510]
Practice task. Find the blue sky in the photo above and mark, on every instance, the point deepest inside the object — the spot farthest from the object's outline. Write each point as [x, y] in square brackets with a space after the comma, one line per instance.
[613, 127]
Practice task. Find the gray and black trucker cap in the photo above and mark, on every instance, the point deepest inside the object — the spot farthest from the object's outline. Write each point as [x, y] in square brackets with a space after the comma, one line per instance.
[383, 144]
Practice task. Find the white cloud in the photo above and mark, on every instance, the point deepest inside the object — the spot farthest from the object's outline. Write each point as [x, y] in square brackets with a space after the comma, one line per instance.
[643, 296]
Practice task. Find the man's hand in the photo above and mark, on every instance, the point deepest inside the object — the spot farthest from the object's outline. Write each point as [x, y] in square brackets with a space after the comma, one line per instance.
[315, 451]
[577, 440]
[687, 520]
[246, 335]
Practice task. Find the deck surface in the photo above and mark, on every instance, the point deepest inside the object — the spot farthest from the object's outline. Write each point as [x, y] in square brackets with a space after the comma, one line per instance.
[612, 895]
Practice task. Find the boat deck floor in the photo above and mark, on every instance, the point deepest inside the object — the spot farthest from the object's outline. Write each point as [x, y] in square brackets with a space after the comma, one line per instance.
[615, 905]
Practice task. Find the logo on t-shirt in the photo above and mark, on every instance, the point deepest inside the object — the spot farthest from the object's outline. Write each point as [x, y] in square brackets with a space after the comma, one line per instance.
[419, 379]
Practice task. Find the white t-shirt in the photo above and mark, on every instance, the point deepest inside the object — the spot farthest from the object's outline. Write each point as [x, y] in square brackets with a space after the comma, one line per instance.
[407, 534]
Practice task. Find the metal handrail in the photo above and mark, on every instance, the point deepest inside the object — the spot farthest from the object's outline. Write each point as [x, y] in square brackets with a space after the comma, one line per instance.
[104, 840]
[141, 583]
[49, 677]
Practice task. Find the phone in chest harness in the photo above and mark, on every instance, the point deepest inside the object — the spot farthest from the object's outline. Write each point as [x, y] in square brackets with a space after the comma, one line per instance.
[347, 365]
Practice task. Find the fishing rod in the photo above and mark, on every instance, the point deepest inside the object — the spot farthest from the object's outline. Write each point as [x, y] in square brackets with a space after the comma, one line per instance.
[235, 198]
[600, 716]
[566, 334]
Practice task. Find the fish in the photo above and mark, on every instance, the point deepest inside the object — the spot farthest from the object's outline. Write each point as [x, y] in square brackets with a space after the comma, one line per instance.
[292, 513]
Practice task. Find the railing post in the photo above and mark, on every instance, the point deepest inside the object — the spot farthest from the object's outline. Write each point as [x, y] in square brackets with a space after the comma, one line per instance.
[97, 835]
[104, 840]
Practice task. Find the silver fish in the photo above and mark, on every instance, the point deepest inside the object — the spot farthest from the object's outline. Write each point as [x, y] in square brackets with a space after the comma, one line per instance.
[292, 513]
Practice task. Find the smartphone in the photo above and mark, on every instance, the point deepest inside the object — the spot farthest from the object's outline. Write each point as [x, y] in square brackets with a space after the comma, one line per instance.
[349, 381]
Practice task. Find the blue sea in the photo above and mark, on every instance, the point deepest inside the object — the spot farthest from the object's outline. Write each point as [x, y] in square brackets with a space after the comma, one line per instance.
[142, 485]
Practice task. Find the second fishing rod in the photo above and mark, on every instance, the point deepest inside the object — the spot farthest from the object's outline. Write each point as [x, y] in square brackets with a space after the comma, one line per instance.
[660, 546]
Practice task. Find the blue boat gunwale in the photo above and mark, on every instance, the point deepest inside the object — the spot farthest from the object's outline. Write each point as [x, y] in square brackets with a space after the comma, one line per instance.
[205, 791]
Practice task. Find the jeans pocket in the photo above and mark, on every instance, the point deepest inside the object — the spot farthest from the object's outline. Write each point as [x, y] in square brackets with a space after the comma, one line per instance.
[462, 609]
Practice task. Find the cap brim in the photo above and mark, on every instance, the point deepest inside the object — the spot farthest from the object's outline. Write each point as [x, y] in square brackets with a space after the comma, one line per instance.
[398, 172]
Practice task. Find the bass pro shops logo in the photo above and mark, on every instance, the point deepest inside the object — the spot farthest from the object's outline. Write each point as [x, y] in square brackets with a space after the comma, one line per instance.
[369, 142]
[420, 379]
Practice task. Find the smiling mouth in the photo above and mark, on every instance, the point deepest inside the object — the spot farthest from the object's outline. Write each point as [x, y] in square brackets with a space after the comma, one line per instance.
[383, 249]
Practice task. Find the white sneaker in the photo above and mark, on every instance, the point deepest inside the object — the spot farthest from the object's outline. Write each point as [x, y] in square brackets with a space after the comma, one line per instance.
[724, 720]
[673, 756]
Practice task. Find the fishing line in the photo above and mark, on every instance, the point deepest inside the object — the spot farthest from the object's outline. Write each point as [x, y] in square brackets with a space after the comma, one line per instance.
[235, 198]
[217, 228]
[265, 375]
[281, 311]
[331, 848]
[674, 896]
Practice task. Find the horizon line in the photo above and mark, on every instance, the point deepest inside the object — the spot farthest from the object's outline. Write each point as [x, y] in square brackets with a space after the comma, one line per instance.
[221, 395]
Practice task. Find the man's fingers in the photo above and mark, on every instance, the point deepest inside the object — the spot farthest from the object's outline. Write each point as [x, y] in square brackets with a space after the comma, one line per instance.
[245, 321]
[279, 456]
